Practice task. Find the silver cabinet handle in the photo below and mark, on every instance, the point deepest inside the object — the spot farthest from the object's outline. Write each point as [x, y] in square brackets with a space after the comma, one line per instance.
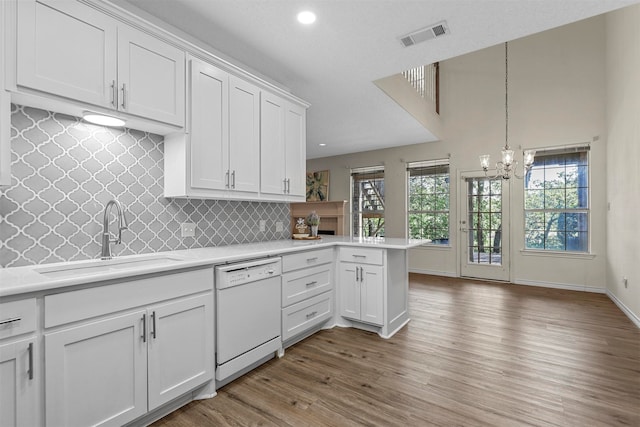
[144, 327]
[357, 274]
[153, 323]
[284, 183]
[30, 371]
[226, 179]
[114, 94]
[312, 283]
[314, 259]
[11, 320]
[310, 315]
[124, 95]
[233, 179]
[288, 186]
[358, 256]
[361, 274]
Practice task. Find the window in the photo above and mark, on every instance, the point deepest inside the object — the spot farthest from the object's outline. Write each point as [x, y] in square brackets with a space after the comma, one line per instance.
[367, 202]
[428, 193]
[556, 201]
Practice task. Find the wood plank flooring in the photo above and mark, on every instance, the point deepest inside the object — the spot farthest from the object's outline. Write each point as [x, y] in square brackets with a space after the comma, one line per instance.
[474, 354]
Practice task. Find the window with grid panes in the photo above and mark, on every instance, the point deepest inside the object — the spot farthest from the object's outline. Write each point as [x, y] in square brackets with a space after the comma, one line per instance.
[556, 201]
[428, 200]
[367, 201]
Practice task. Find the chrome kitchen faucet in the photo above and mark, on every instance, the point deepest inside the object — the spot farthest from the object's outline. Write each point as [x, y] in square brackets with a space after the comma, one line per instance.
[106, 236]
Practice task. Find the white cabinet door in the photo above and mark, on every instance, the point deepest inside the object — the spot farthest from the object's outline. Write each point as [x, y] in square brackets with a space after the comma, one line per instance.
[150, 76]
[295, 150]
[18, 390]
[180, 347]
[68, 49]
[96, 374]
[272, 144]
[349, 291]
[372, 294]
[209, 127]
[244, 135]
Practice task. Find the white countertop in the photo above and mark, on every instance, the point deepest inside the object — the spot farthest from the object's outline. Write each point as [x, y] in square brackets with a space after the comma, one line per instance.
[34, 278]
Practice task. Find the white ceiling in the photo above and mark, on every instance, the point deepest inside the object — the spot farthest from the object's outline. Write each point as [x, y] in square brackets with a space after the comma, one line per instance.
[332, 63]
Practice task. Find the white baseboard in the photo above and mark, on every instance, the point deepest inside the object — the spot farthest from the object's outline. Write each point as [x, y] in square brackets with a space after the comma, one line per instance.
[433, 272]
[630, 314]
[567, 286]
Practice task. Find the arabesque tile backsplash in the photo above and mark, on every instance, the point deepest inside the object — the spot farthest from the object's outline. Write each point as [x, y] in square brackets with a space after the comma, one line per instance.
[64, 171]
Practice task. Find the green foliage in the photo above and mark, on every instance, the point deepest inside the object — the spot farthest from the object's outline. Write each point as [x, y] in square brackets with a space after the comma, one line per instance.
[429, 207]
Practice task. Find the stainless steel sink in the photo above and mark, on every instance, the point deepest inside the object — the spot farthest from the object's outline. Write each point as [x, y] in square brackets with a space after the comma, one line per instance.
[104, 266]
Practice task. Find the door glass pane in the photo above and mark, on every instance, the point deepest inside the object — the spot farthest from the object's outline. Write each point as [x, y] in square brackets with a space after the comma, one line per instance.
[484, 201]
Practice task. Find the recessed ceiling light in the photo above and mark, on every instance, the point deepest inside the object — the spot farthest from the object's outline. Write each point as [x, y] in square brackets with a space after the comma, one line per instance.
[102, 120]
[306, 17]
[322, 145]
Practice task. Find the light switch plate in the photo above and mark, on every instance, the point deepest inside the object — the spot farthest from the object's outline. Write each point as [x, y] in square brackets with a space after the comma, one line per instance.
[187, 229]
[263, 225]
[279, 227]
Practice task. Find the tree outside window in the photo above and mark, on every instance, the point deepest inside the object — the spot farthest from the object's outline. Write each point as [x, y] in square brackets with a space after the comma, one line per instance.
[428, 200]
[556, 201]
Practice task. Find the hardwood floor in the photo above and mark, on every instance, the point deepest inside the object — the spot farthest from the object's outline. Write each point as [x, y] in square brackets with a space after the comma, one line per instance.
[474, 354]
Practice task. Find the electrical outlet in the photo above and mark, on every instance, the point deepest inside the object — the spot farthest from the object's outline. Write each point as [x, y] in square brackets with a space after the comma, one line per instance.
[187, 229]
[263, 225]
[279, 227]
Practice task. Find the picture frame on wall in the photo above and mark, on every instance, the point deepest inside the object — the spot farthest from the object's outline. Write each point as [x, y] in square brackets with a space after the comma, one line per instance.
[318, 186]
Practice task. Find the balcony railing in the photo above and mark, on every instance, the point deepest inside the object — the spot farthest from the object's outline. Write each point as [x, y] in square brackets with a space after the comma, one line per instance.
[426, 80]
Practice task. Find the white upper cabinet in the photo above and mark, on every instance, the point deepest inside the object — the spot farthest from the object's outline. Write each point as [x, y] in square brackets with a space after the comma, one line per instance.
[244, 135]
[283, 148]
[221, 154]
[209, 137]
[69, 49]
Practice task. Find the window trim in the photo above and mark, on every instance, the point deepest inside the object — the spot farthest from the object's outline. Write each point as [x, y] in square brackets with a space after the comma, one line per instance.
[426, 164]
[587, 254]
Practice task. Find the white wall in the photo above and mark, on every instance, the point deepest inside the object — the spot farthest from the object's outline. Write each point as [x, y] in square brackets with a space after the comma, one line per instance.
[556, 97]
[623, 156]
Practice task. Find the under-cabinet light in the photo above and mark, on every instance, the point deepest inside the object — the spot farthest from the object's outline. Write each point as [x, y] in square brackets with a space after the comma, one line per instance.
[102, 120]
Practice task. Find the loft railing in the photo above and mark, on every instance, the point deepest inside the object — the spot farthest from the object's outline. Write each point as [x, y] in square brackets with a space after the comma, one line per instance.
[426, 80]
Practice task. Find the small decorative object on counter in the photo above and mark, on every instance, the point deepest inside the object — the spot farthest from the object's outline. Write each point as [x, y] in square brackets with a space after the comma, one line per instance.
[301, 229]
[313, 219]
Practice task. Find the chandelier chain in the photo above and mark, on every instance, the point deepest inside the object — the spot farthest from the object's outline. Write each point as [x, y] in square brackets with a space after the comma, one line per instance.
[506, 96]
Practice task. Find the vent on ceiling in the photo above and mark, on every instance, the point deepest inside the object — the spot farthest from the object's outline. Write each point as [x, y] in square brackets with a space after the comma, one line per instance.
[431, 32]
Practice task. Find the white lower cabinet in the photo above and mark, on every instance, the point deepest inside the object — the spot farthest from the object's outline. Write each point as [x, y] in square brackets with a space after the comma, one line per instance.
[362, 292]
[114, 369]
[18, 383]
[307, 292]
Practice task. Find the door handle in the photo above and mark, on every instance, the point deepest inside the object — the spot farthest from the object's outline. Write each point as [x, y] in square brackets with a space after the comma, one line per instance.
[114, 94]
[233, 179]
[153, 325]
[144, 328]
[11, 320]
[124, 95]
[361, 274]
[357, 274]
[226, 179]
[30, 371]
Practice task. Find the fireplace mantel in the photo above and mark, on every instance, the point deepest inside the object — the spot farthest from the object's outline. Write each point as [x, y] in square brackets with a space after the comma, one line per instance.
[334, 216]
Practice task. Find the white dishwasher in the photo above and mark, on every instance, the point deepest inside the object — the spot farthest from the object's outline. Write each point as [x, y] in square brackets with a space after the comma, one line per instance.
[247, 314]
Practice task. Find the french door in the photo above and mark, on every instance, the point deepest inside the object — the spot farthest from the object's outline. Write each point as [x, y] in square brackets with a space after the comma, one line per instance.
[484, 226]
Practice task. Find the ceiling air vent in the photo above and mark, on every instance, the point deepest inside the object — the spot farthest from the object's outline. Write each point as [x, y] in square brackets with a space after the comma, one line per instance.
[431, 32]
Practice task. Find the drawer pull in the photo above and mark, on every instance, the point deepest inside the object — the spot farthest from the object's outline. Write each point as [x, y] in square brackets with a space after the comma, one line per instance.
[7, 321]
[358, 256]
[310, 315]
[312, 283]
[314, 259]
[30, 371]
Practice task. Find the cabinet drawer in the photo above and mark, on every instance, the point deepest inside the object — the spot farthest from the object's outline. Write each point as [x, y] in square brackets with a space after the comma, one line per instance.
[306, 259]
[305, 315]
[302, 284]
[362, 255]
[83, 304]
[17, 317]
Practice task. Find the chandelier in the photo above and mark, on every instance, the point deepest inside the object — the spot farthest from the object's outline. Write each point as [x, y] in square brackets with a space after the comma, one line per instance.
[507, 167]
